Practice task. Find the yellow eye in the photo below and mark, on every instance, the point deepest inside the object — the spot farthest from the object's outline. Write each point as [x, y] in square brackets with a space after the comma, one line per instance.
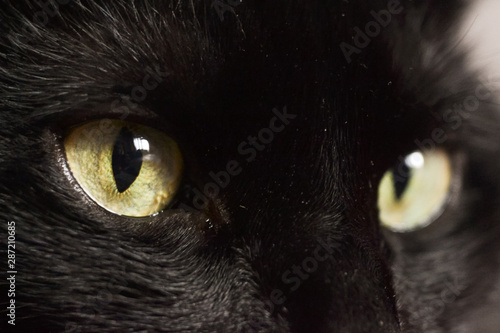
[127, 168]
[413, 193]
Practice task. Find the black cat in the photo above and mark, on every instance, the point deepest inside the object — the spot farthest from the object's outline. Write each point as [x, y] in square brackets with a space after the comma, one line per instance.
[249, 166]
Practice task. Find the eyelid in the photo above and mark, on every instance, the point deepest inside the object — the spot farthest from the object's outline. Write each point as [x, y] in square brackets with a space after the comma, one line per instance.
[113, 109]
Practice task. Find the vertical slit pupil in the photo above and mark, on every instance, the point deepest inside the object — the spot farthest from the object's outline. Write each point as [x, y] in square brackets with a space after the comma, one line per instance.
[126, 160]
[401, 177]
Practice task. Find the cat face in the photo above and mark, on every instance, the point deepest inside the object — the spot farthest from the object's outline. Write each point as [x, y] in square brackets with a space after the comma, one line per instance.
[248, 167]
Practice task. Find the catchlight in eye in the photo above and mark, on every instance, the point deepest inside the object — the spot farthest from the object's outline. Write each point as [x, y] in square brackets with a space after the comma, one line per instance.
[127, 168]
[414, 192]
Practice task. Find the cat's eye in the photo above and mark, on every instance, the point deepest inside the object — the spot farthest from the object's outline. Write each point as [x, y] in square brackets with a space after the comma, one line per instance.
[413, 193]
[127, 168]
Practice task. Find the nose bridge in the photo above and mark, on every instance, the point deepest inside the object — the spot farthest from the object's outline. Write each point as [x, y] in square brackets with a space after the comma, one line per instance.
[321, 280]
[318, 262]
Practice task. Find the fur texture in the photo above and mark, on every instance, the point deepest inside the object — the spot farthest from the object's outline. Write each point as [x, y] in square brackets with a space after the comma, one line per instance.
[224, 268]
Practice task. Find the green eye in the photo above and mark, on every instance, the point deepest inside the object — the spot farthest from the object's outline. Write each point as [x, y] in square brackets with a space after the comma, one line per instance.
[127, 168]
[413, 193]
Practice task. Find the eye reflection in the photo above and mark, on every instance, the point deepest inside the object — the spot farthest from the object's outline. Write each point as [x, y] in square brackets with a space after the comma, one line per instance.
[127, 168]
[141, 144]
[414, 192]
[415, 160]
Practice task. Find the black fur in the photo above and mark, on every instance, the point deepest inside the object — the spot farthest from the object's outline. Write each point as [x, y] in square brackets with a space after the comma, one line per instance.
[83, 269]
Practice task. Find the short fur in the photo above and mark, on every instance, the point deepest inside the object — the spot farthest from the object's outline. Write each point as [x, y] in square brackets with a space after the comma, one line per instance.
[84, 269]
